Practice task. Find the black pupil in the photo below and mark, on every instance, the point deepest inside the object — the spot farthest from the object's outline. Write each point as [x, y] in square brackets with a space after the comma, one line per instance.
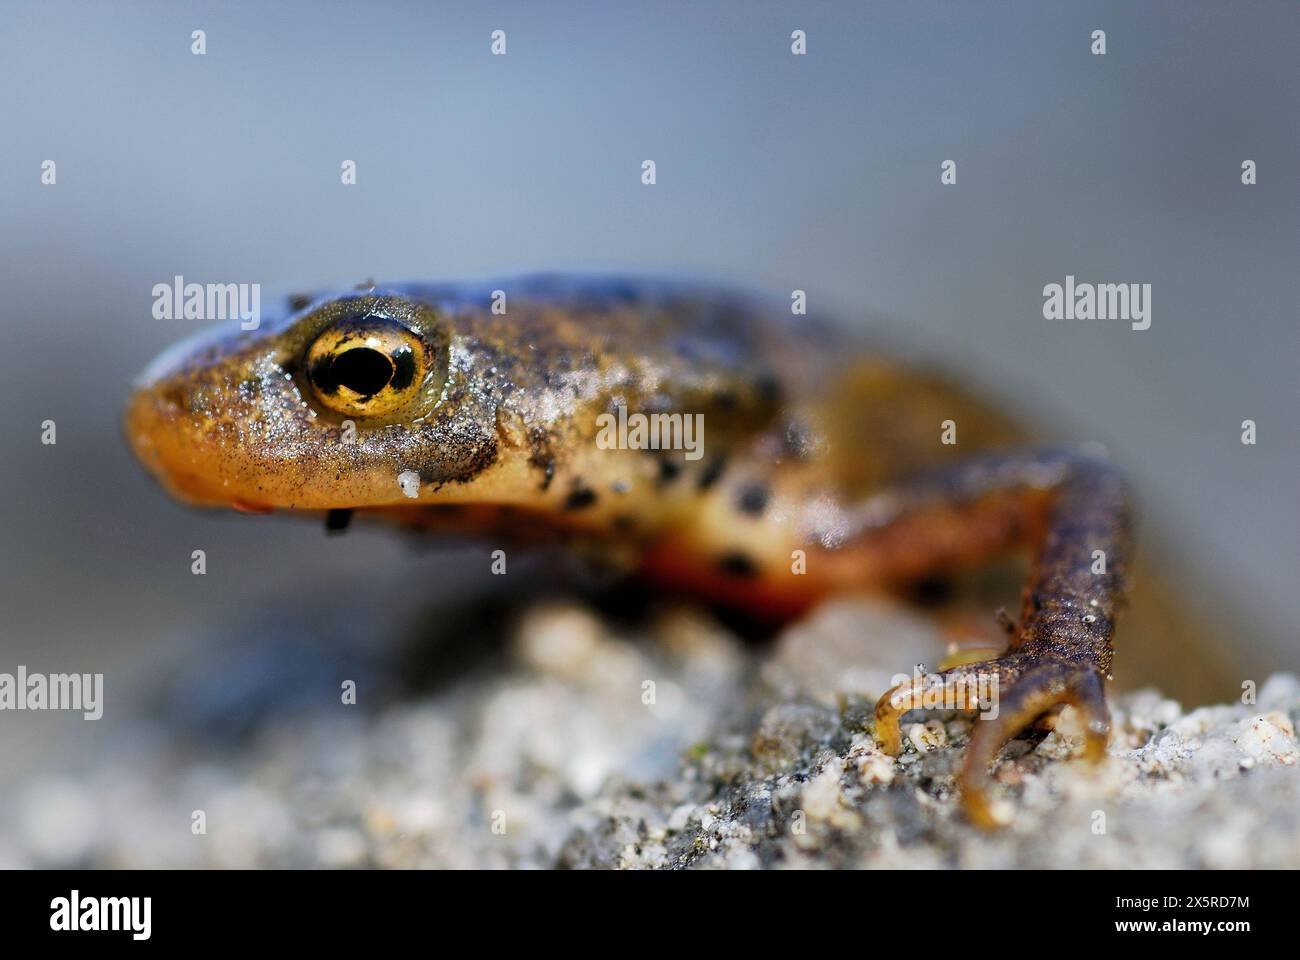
[363, 371]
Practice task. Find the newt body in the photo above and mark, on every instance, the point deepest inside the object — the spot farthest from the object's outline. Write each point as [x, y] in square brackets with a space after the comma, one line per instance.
[819, 467]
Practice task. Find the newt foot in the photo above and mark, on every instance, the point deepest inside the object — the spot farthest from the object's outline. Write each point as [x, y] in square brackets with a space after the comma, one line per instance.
[1010, 693]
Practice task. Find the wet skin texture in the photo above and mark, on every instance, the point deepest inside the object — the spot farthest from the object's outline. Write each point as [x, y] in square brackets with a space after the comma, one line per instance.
[818, 457]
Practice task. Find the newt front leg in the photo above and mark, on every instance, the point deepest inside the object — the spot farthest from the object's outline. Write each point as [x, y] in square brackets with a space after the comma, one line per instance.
[1074, 509]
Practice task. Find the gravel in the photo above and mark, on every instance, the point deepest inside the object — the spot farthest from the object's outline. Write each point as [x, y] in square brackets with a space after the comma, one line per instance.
[668, 744]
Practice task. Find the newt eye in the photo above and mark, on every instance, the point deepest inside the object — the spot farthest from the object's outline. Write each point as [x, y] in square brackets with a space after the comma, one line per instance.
[371, 366]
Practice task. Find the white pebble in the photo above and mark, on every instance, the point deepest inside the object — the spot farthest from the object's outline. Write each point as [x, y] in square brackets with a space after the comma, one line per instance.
[560, 640]
[875, 767]
[822, 795]
[927, 736]
[1269, 739]
[680, 816]
[409, 481]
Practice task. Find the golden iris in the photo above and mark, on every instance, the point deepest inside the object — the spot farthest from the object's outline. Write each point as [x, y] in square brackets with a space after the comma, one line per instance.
[367, 367]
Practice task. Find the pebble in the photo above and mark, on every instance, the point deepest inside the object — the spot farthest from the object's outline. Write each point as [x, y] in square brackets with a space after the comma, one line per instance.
[409, 481]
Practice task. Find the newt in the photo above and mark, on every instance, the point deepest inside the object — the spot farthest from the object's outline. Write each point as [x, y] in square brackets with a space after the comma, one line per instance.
[820, 466]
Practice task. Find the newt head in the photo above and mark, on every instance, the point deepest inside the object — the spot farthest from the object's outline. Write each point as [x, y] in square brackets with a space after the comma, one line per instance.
[323, 409]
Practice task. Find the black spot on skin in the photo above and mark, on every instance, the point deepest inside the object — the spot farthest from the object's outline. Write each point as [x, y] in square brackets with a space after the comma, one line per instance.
[737, 565]
[548, 472]
[540, 455]
[299, 301]
[712, 473]
[580, 498]
[932, 591]
[467, 458]
[768, 388]
[624, 523]
[336, 521]
[669, 470]
[752, 499]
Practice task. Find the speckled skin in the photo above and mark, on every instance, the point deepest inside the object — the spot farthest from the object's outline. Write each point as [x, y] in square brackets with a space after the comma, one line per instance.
[822, 468]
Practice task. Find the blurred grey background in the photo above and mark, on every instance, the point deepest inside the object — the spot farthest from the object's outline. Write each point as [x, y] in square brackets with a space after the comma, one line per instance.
[819, 172]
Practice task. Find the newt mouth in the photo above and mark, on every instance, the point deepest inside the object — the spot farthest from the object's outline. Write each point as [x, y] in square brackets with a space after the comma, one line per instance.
[244, 506]
[152, 427]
